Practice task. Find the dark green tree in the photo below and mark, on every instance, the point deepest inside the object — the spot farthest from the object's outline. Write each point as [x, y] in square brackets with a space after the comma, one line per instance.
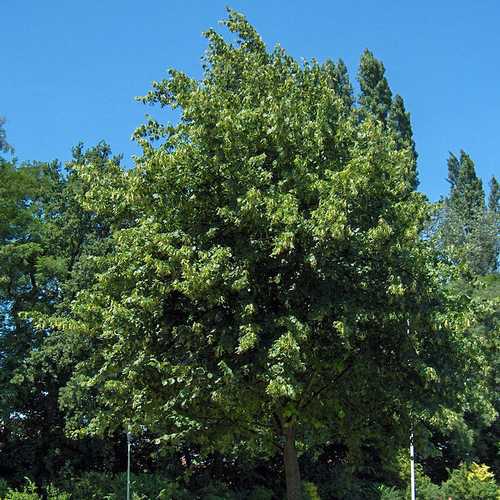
[45, 239]
[5, 147]
[399, 122]
[342, 84]
[468, 233]
[376, 96]
[494, 196]
[376, 101]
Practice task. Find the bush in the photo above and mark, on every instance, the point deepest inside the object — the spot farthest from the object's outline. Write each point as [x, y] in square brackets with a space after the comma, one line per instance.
[390, 493]
[3, 488]
[261, 493]
[55, 494]
[310, 491]
[29, 492]
[474, 482]
[99, 486]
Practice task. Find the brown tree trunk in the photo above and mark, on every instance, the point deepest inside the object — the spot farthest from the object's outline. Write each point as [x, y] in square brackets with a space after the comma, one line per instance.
[292, 472]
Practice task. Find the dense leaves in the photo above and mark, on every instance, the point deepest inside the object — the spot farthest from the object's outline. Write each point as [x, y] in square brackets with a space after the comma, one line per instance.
[255, 295]
[260, 295]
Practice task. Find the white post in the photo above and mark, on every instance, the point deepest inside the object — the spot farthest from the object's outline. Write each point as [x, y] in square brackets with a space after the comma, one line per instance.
[412, 469]
[129, 438]
[412, 449]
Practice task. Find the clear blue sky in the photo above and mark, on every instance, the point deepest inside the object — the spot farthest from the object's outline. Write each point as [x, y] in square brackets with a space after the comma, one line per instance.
[70, 69]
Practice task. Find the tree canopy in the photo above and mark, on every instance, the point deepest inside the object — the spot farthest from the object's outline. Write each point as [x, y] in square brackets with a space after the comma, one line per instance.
[266, 257]
[263, 294]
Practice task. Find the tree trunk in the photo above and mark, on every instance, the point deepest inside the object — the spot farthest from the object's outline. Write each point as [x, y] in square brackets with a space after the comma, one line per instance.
[292, 472]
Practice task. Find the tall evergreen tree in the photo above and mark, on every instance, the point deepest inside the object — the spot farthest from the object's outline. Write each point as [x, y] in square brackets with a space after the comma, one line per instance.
[342, 83]
[494, 197]
[399, 122]
[376, 96]
[376, 100]
[5, 147]
[468, 233]
[494, 222]
[467, 193]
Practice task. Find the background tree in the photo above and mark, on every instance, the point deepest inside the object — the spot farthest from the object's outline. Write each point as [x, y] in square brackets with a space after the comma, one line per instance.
[45, 240]
[376, 97]
[468, 233]
[376, 100]
[258, 298]
[5, 147]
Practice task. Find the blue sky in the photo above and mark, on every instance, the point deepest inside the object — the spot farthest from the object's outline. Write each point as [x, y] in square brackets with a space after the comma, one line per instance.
[70, 69]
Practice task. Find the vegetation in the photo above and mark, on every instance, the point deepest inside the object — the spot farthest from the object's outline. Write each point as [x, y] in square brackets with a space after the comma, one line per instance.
[264, 295]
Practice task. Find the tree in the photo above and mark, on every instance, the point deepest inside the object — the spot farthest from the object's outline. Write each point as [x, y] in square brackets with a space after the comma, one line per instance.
[493, 216]
[340, 81]
[399, 122]
[376, 95]
[468, 233]
[258, 298]
[494, 197]
[376, 101]
[5, 147]
[45, 240]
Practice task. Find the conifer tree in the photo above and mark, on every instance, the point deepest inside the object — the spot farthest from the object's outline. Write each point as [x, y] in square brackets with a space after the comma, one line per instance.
[399, 122]
[343, 85]
[376, 101]
[5, 147]
[494, 222]
[494, 197]
[376, 96]
[468, 233]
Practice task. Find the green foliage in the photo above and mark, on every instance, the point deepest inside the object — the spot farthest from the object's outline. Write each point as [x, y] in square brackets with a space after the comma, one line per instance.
[473, 482]
[54, 493]
[467, 482]
[376, 96]
[97, 486]
[264, 281]
[5, 147]
[251, 276]
[45, 240]
[390, 493]
[4, 486]
[29, 492]
[468, 230]
[310, 491]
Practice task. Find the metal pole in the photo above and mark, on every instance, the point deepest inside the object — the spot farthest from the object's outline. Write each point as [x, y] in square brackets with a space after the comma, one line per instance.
[412, 465]
[129, 439]
[412, 449]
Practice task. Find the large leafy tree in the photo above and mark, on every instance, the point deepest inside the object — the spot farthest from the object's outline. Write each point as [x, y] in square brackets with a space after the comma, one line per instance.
[258, 298]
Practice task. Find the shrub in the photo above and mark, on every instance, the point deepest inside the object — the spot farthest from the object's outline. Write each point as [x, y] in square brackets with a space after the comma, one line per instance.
[99, 486]
[55, 494]
[3, 488]
[310, 491]
[473, 482]
[390, 493]
[261, 493]
[29, 492]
